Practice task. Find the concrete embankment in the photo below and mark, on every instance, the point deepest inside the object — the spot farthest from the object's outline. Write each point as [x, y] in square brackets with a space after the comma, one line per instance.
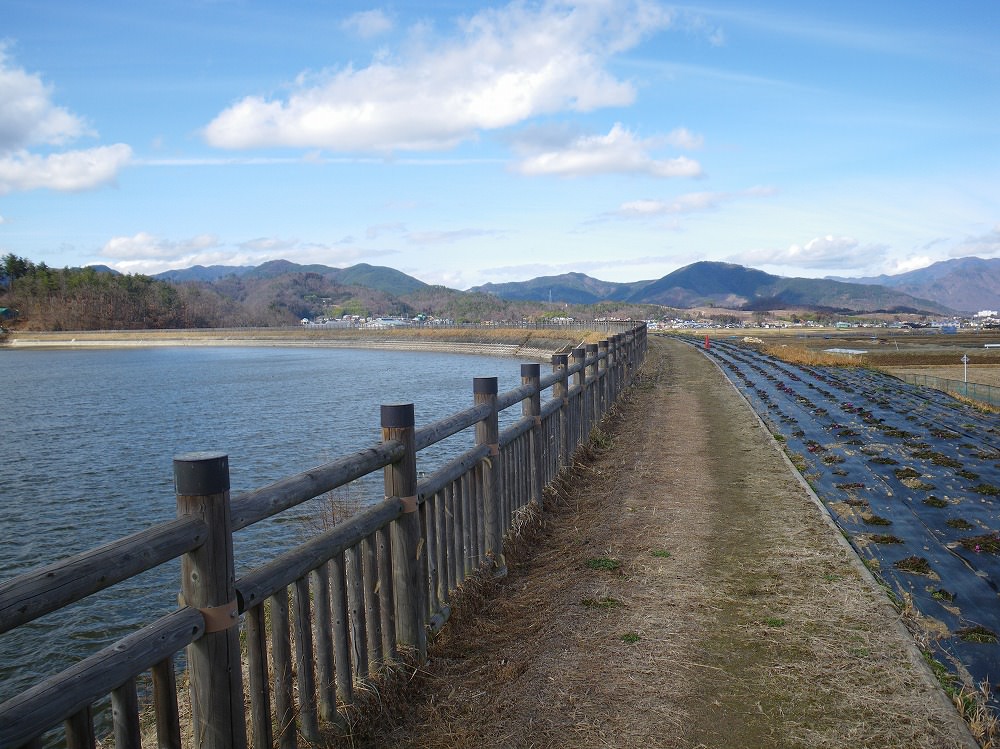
[493, 342]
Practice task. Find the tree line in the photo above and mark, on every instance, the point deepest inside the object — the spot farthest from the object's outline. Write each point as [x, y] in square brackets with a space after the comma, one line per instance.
[38, 297]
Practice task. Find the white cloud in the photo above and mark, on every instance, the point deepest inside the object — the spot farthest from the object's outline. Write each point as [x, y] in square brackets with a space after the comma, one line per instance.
[905, 265]
[71, 171]
[681, 137]
[143, 246]
[620, 151]
[984, 245]
[28, 116]
[506, 65]
[841, 253]
[689, 203]
[146, 253]
[693, 202]
[368, 23]
[377, 230]
[449, 237]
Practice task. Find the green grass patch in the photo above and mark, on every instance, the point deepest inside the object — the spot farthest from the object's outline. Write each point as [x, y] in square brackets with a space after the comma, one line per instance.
[661, 553]
[988, 542]
[604, 563]
[986, 489]
[630, 638]
[883, 461]
[940, 594]
[945, 678]
[977, 634]
[914, 565]
[607, 602]
[960, 524]
[885, 538]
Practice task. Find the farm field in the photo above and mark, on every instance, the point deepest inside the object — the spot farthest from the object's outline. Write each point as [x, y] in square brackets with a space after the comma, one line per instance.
[912, 477]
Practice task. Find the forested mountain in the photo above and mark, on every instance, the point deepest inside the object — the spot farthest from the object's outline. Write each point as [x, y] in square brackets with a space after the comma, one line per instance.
[280, 292]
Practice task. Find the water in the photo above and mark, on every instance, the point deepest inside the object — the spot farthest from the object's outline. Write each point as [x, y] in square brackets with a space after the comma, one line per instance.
[89, 438]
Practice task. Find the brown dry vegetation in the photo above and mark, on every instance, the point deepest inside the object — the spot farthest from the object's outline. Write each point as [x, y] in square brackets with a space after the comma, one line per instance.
[735, 615]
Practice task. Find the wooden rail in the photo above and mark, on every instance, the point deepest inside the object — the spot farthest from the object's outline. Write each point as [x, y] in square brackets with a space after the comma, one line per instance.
[312, 622]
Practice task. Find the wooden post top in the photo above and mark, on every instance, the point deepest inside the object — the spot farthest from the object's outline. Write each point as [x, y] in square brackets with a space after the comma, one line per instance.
[398, 416]
[484, 385]
[198, 474]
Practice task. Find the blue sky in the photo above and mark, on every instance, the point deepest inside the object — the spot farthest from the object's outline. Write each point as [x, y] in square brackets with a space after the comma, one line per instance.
[463, 143]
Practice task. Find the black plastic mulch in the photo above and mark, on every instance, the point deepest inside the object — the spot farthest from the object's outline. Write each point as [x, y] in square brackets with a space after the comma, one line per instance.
[910, 475]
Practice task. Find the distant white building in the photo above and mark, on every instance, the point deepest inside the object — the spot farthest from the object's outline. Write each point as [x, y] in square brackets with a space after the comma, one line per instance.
[987, 313]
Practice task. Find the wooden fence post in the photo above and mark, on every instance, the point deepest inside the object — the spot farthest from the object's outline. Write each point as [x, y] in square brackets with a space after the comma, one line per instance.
[560, 392]
[579, 355]
[484, 390]
[602, 374]
[531, 407]
[614, 366]
[593, 415]
[407, 567]
[629, 356]
[201, 481]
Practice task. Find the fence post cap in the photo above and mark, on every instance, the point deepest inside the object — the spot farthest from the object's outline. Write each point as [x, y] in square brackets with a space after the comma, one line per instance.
[484, 385]
[397, 415]
[530, 370]
[199, 473]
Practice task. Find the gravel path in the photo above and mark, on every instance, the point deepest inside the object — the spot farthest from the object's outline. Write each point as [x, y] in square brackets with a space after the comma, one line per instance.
[682, 589]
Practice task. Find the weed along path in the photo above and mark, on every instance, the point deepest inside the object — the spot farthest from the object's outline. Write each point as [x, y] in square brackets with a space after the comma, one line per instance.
[682, 589]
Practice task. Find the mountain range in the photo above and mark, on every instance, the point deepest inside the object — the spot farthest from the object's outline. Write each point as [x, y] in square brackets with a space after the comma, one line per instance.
[961, 285]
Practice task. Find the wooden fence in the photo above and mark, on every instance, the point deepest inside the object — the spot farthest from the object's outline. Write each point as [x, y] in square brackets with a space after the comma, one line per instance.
[311, 623]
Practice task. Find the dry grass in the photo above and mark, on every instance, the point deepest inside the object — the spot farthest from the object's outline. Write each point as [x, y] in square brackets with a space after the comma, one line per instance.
[808, 357]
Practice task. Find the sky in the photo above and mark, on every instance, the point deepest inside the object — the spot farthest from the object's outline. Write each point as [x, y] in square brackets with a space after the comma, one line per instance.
[464, 143]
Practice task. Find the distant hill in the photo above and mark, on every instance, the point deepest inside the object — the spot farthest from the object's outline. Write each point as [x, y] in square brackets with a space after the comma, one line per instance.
[376, 277]
[969, 284]
[568, 288]
[379, 277]
[202, 273]
[726, 285]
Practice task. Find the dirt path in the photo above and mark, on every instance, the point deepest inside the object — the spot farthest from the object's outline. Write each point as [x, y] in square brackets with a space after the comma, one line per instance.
[735, 619]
